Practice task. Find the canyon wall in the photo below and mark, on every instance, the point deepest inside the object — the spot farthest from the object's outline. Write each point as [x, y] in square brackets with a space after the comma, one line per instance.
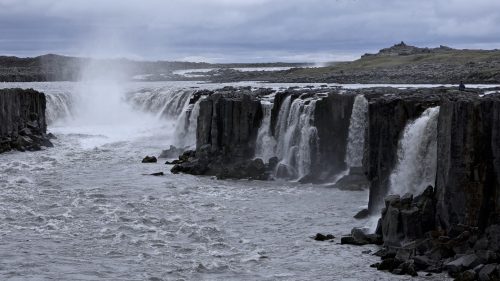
[22, 120]
[468, 174]
[227, 125]
[389, 111]
[311, 132]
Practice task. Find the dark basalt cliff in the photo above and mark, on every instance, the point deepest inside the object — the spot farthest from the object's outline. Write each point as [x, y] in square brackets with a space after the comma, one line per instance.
[228, 124]
[22, 120]
[468, 174]
[388, 113]
[227, 127]
[453, 225]
[331, 118]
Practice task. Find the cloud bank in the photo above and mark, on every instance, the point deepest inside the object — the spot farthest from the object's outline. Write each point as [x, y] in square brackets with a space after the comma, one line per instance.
[242, 30]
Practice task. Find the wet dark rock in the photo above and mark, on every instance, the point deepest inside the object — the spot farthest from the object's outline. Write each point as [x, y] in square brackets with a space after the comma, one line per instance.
[227, 128]
[23, 125]
[468, 175]
[332, 118]
[157, 174]
[273, 162]
[389, 111]
[463, 263]
[172, 152]
[489, 272]
[359, 237]
[355, 180]
[323, 237]
[149, 159]
[362, 214]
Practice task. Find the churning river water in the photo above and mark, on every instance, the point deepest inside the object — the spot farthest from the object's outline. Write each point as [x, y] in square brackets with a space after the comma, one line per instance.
[87, 210]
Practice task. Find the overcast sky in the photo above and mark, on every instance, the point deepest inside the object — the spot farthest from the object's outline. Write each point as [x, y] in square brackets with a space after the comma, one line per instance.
[242, 30]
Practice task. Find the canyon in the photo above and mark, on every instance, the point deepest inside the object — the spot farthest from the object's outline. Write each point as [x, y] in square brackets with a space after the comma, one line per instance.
[427, 156]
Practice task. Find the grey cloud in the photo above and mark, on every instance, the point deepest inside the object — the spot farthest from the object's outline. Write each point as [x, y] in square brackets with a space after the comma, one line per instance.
[243, 30]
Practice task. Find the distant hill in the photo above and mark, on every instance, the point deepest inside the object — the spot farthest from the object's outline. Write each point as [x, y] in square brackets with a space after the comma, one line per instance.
[400, 63]
[52, 67]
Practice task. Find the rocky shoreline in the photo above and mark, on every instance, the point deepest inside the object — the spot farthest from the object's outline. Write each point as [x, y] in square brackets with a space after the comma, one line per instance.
[22, 118]
[450, 225]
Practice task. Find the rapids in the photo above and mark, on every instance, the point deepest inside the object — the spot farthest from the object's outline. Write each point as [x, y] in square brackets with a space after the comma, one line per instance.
[86, 209]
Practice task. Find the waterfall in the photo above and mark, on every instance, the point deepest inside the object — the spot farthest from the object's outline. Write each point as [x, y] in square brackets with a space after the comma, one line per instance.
[59, 107]
[174, 104]
[356, 137]
[281, 125]
[185, 129]
[417, 155]
[266, 143]
[164, 102]
[297, 136]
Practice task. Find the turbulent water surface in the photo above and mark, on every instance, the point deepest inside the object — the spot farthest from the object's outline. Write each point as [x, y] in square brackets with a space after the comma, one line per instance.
[84, 210]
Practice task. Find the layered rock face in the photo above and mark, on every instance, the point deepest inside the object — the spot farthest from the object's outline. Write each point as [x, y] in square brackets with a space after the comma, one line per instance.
[468, 175]
[332, 118]
[311, 128]
[227, 127]
[454, 225]
[22, 120]
[388, 113]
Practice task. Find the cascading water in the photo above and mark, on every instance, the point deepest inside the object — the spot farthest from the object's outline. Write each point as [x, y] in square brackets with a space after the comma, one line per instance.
[281, 125]
[356, 137]
[165, 102]
[298, 138]
[59, 107]
[185, 129]
[173, 104]
[417, 155]
[266, 142]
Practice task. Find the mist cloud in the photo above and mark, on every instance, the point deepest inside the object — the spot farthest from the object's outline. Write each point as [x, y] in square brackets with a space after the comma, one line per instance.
[241, 30]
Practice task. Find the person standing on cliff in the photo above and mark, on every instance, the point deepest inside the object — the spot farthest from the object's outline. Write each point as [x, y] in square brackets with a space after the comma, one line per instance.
[461, 87]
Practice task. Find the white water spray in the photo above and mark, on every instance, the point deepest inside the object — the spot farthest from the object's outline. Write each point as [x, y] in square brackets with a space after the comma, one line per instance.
[266, 143]
[59, 107]
[417, 155]
[299, 137]
[187, 122]
[357, 127]
[100, 109]
[165, 102]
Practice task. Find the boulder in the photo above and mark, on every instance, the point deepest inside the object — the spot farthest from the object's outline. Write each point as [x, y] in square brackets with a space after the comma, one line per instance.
[488, 272]
[362, 214]
[323, 237]
[149, 159]
[463, 263]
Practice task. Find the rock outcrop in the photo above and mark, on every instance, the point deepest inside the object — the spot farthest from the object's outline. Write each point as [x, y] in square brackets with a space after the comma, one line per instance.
[453, 227]
[227, 127]
[389, 111]
[22, 120]
[332, 118]
[468, 176]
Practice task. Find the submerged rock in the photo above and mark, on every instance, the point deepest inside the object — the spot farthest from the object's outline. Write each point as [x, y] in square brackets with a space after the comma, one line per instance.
[172, 152]
[362, 214]
[323, 237]
[149, 159]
